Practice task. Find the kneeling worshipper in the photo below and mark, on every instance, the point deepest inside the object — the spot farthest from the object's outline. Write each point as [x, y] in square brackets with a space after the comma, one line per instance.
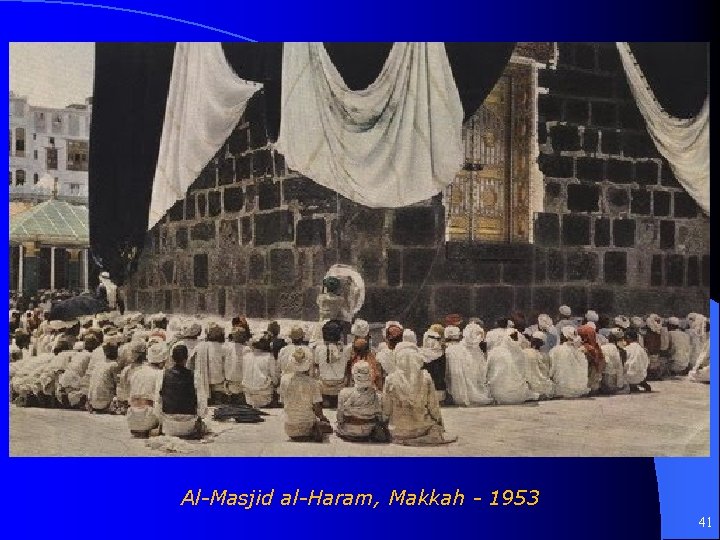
[701, 370]
[636, 365]
[466, 366]
[297, 340]
[178, 398]
[506, 373]
[103, 374]
[565, 318]
[594, 355]
[434, 361]
[189, 336]
[72, 384]
[233, 368]
[302, 401]
[652, 342]
[680, 348]
[360, 352]
[410, 404]
[209, 361]
[359, 412]
[46, 380]
[260, 373]
[143, 415]
[329, 364]
[385, 354]
[536, 367]
[613, 378]
[569, 366]
[131, 357]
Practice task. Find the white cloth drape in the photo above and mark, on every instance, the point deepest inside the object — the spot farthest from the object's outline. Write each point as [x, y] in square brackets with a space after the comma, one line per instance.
[205, 102]
[685, 143]
[395, 143]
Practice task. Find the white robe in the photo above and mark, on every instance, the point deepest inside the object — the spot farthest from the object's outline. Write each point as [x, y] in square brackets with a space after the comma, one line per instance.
[614, 369]
[536, 373]
[569, 371]
[636, 365]
[506, 378]
[680, 349]
[466, 375]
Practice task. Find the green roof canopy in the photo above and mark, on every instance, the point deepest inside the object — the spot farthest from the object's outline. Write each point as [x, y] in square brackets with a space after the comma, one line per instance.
[52, 222]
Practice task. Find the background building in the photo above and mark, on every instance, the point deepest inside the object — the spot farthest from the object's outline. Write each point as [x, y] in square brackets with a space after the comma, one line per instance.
[49, 147]
[564, 199]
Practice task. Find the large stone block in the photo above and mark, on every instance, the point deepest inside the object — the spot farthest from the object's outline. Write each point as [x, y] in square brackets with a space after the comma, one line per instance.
[546, 299]
[189, 301]
[540, 266]
[623, 232]
[615, 267]
[646, 173]
[590, 140]
[547, 229]
[221, 302]
[576, 298]
[618, 199]
[576, 112]
[369, 265]
[453, 299]
[656, 270]
[574, 83]
[235, 302]
[620, 171]
[685, 206]
[518, 273]
[286, 303]
[311, 232]
[604, 114]
[556, 166]
[168, 271]
[581, 266]
[274, 227]
[549, 107]
[492, 302]
[565, 137]
[233, 199]
[268, 194]
[602, 300]
[238, 141]
[693, 271]
[282, 267]
[585, 56]
[602, 232]
[181, 237]
[203, 231]
[417, 264]
[523, 299]
[638, 144]
[255, 303]
[667, 178]
[641, 202]
[243, 167]
[176, 212]
[262, 164]
[415, 226]
[556, 266]
[256, 266]
[190, 207]
[610, 143]
[583, 198]
[214, 204]
[661, 203]
[246, 224]
[575, 230]
[202, 204]
[226, 171]
[308, 193]
[674, 270]
[200, 270]
[207, 178]
[394, 267]
[229, 233]
[667, 234]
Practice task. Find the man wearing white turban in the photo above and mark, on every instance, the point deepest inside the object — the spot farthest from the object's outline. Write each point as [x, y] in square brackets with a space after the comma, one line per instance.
[569, 366]
[636, 365]
[434, 361]
[410, 403]
[143, 415]
[103, 374]
[613, 377]
[506, 370]
[537, 367]
[359, 408]
[680, 348]
[565, 318]
[467, 366]
[301, 396]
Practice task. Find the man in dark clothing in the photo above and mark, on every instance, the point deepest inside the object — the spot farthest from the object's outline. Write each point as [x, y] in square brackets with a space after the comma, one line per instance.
[179, 398]
[276, 342]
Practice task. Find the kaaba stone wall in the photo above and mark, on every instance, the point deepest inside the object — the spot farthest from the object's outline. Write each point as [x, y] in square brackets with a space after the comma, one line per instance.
[617, 232]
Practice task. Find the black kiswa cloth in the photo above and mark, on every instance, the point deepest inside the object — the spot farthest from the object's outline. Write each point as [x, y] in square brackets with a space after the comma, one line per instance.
[242, 414]
[129, 98]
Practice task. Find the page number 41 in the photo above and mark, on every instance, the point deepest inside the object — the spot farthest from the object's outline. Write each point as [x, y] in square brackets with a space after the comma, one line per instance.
[705, 522]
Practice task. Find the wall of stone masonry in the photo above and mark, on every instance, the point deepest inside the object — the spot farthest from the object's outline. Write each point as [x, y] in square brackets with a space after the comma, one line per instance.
[617, 232]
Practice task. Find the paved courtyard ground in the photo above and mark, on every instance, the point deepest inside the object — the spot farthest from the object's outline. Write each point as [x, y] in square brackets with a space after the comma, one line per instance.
[672, 421]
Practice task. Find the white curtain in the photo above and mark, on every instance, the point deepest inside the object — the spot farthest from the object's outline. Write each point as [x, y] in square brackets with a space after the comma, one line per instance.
[205, 102]
[685, 143]
[395, 143]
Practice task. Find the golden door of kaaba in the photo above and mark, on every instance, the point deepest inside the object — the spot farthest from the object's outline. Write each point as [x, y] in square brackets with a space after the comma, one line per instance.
[488, 200]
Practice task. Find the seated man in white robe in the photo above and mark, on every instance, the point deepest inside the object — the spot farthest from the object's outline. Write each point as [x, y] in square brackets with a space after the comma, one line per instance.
[506, 373]
[209, 359]
[330, 364]
[466, 366]
[103, 375]
[680, 348]
[359, 407]
[297, 341]
[537, 367]
[410, 404]
[178, 399]
[636, 365]
[238, 347]
[613, 377]
[569, 366]
[701, 369]
[133, 356]
[72, 385]
[259, 374]
[143, 415]
[385, 354]
[302, 401]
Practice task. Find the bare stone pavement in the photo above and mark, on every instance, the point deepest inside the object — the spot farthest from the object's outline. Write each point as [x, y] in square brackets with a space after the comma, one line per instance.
[673, 420]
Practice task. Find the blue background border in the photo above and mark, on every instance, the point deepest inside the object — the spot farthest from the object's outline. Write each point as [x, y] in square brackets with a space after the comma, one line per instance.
[579, 496]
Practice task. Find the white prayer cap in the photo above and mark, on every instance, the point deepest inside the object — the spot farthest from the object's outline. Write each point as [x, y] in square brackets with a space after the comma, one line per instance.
[392, 323]
[591, 324]
[544, 321]
[409, 336]
[539, 335]
[602, 340]
[510, 324]
[105, 275]
[360, 328]
[361, 374]
[191, 331]
[473, 332]
[405, 345]
[300, 361]
[637, 322]
[157, 353]
[79, 346]
[592, 316]
[452, 332]
[113, 339]
[617, 332]
[692, 316]
[565, 310]
[57, 324]
[622, 321]
[569, 331]
[674, 321]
